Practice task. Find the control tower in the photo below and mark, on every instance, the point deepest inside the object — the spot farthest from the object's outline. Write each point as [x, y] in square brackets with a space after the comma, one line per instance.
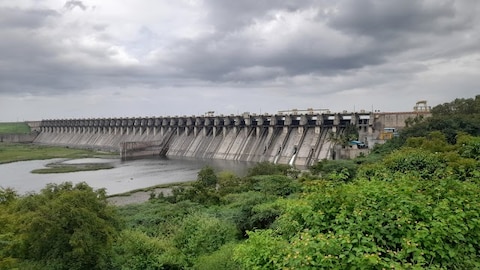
[421, 106]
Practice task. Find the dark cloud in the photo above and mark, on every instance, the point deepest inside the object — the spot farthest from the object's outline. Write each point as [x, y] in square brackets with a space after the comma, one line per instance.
[399, 26]
[391, 18]
[16, 18]
[371, 33]
[228, 16]
[73, 4]
[298, 50]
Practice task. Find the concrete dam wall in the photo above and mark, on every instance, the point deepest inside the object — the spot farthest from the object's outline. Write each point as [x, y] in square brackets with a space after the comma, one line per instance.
[298, 140]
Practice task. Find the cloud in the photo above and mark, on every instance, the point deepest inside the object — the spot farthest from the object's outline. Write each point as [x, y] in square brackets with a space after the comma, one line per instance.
[73, 4]
[15, 18]
[295, 52]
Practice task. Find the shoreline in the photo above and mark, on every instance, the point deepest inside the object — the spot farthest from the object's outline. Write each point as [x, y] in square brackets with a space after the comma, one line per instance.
[136, 197]
[142, 195]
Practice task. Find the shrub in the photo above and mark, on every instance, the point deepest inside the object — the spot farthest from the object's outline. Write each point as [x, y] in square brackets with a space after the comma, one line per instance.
[69, 226]
[421, 163]
[243, 210]
[373, 224]
[136, 250]
[268, 168]
[200, 234]
[343, 170]
[220, 259]
[278, 185]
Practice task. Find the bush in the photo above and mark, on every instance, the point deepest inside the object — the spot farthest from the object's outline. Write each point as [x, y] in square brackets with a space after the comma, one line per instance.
[421, 163]
[136, 250]
[201, 234]
[220, 259]
[228, 182]
[373, 225]
[69, 226]
[343, 170]
[277, 185]
[242, 210]
[157, 218]
[268, 168]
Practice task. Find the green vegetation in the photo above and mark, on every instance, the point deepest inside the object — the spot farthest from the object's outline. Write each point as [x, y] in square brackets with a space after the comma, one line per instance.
[152, 189]
[413, 204]
[66, 168]
[12, 152]
[343, 139]
[11, 128]
[62, 227]
[459, 116]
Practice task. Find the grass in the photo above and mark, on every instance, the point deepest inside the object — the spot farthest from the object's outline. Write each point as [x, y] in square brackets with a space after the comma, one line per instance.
[66, 168]
[17, 127]
[12, 152]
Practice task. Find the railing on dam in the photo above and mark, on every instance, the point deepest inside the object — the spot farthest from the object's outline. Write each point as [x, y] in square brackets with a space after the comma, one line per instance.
[282, 138]
[155, 124]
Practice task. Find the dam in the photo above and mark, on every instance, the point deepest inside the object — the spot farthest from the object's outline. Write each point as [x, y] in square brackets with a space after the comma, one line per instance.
[297, 138]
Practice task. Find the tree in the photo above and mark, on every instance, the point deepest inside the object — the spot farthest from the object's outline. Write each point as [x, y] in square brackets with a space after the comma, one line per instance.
[228, 182]
[451, 119]
[71, 227]
[8, 197]
[206, 177]
[349, 134]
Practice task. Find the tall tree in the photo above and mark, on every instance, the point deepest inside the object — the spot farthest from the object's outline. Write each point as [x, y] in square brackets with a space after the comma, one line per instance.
[70, 227]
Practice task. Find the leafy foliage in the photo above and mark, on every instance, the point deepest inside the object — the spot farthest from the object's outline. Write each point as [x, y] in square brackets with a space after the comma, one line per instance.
[157, 218]
[220, 259]
[136, 250]
[7, 195]
[250, 210]
[267, 168]
[200, 234]
[343, 138]
[469, 147]
[69, 226]
[278, 185]
[343, 170]
[451, 119]
[373, 224]
[206, 178]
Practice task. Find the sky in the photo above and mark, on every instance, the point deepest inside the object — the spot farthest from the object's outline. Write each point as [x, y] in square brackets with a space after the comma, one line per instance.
[138, 58]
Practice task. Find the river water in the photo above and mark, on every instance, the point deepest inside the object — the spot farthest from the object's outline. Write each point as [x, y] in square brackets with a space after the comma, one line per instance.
[125, 176]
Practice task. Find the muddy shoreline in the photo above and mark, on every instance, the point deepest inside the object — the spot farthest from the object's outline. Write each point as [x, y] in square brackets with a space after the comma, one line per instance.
[136, 197]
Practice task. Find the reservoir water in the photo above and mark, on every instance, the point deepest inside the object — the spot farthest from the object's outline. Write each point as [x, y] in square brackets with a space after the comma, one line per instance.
[125, 176]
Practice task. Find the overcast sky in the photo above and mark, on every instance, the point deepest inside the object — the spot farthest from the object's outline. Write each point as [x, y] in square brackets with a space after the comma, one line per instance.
[128, 58]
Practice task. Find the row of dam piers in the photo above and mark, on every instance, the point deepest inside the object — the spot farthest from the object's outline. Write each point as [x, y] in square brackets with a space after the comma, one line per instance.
[297, 140]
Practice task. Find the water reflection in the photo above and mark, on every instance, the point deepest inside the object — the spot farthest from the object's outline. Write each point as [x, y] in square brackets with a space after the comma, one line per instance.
[126, 176]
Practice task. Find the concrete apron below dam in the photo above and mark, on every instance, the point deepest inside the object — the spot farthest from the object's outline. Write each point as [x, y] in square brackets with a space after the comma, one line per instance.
[293, 145]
